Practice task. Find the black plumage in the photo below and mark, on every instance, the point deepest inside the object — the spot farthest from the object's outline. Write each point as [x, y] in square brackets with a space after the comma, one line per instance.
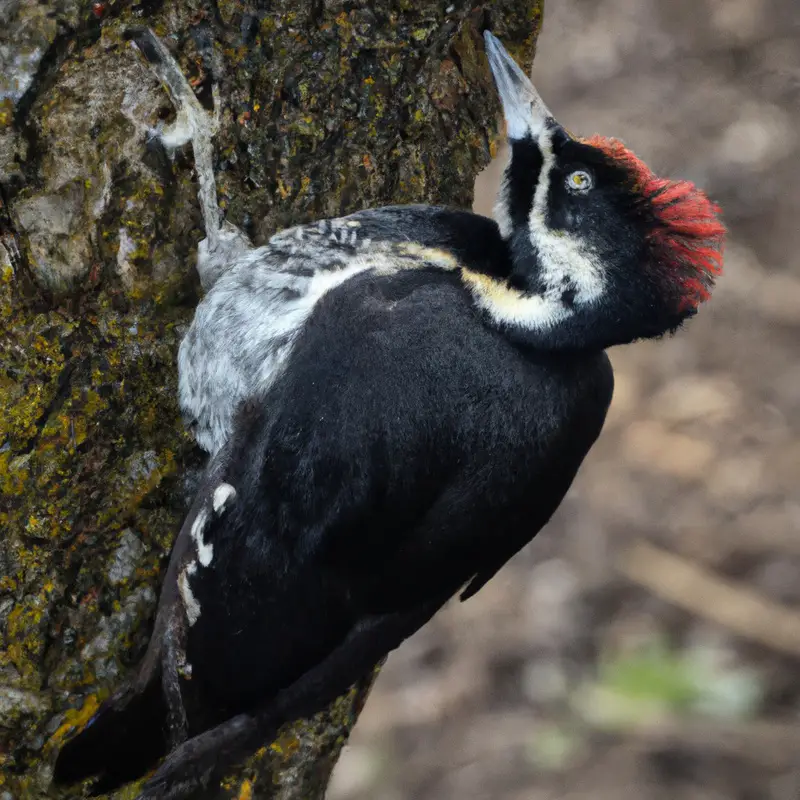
[431, 413]
[408, 451]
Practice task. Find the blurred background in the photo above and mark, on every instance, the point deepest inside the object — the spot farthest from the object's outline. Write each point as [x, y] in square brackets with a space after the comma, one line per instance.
[647, 644]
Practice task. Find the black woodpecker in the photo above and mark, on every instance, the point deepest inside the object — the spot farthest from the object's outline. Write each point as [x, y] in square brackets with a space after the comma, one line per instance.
[395, 402]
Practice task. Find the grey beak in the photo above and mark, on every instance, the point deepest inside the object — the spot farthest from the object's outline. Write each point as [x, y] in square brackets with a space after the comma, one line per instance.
[525, 113]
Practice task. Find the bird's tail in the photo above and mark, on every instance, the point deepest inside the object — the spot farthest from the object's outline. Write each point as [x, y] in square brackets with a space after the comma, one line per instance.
[123, 740]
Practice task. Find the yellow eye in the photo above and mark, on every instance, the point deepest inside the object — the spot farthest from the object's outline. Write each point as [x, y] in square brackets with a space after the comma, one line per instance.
[579, 181]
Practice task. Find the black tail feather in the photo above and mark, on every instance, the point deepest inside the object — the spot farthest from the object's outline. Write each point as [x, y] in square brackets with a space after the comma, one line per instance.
[123, 740]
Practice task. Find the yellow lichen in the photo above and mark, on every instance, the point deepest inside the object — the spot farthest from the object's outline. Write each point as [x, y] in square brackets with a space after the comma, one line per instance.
[94, 385]
[23, 633]
[75, 719]
[285, 745]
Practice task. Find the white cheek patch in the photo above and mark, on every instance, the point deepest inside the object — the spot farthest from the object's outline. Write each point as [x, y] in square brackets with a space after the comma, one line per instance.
[566, 263]
[205, 552]
[564, 260]
[190, 604]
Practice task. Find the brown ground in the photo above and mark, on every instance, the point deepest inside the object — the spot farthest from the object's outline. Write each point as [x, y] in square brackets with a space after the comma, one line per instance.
[499, 698]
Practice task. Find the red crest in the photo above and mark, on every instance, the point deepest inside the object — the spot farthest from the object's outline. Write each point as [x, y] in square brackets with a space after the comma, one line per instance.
[688, 236]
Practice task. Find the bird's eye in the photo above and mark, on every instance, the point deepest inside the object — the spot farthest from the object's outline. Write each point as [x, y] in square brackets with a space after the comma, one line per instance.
[579, 181]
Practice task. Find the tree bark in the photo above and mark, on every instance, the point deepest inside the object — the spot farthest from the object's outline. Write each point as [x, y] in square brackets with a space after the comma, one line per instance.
[327, 107]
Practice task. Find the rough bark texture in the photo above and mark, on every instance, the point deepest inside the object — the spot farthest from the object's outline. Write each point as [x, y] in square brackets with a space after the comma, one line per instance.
[327, 107]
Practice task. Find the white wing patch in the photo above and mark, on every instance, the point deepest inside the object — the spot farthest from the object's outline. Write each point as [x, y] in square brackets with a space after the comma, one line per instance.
[223, 494]
[205, 552]
[190, 603]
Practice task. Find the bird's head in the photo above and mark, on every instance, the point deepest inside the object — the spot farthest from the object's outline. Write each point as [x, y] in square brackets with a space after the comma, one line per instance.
[603, 251]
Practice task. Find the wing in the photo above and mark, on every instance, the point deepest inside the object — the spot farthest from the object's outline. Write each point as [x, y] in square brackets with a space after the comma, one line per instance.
[474, 240]
[246, 325]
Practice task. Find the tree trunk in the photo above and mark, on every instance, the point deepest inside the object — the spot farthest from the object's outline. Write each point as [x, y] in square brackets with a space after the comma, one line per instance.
[327, 107]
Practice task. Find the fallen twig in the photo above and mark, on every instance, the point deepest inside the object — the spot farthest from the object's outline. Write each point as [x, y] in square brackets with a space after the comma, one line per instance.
[694, 588]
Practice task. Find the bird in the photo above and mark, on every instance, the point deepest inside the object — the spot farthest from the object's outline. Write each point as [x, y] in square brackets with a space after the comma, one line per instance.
[395, 402]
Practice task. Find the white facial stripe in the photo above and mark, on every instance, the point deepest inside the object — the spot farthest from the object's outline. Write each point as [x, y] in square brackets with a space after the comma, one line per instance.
[190, 604]
[564, 260]
[509, 306]
[539, 208]
[501, 206]
[205, 552]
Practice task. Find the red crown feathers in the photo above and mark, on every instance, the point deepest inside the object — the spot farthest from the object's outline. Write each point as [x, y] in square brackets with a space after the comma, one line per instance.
[688, 236]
